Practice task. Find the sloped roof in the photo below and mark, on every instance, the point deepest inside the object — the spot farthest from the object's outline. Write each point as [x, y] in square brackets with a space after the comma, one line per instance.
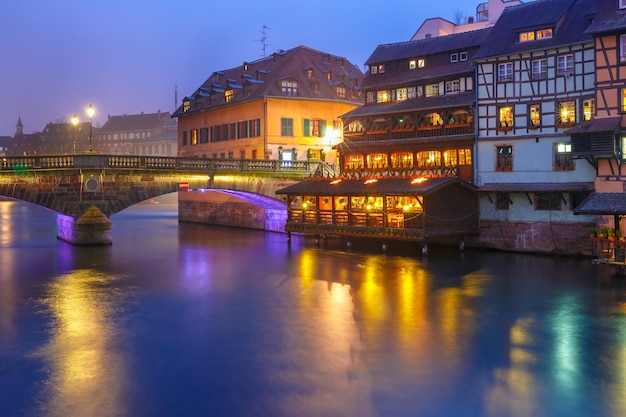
[383, 186]
[568, 18]
[265, 74]
[603, 203]
[598, 124]
[136, 122]
[608, 19]
[537, 187]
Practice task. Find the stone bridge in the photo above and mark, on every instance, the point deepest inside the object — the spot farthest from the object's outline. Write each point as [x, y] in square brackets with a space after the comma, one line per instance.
[86, 190]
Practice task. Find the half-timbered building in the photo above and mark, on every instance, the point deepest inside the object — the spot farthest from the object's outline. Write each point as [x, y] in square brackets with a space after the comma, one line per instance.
[602, 141]
[535, 82]
[418, 119]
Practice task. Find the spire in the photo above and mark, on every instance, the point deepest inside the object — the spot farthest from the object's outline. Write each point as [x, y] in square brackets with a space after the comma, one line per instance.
[19, 127]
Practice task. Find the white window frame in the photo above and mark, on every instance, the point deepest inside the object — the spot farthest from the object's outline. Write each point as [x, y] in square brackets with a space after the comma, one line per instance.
[622, 4]
[412, 64]
[463, 56]
[454, 57]
[401, 94]
[505, 71]
[432, 90]
[565, 64]
[540, 69]
[452, 87]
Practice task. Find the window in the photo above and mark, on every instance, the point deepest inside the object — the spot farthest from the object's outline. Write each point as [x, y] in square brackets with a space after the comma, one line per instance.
[353, 162]
[506, 117]
[417, 63]
[370, 97]
[563, 160]
[622, 4]
[548, 201]
[463, 56]
[401, 94]
[341, 92]
[623, 102]
[314, 127]
[286, 126]
[412, 64]
[381, 69]
[567, 114]
[454, 57]
[526, 36]
[309, 73]
[411, 93]
[428, 159]
[503, 201]
[544, 34]
[622, 51]
[534, 111]
[228, 95]
[402, 160]
[589, 109]
[382, 96]
[373, 69]
[377, 161]
[540, 69]
[452, 87]
[377, 69]
[504, 158]
[565, 64]
[289, 88]
[421, 62]
[432, 90]
[505, 71]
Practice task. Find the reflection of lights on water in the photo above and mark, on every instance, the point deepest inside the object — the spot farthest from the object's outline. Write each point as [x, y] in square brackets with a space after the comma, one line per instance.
[86, 369]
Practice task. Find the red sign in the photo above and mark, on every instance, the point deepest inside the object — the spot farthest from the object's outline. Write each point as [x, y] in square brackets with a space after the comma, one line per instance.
[183, 186]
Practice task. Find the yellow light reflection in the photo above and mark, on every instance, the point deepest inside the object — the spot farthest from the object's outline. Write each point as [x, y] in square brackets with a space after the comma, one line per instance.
[87, 376]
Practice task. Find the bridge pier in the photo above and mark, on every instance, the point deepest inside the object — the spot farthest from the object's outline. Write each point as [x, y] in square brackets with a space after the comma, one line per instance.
[92, 228]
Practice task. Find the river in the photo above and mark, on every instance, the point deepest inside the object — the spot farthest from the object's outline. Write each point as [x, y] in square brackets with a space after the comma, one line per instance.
[177, 319]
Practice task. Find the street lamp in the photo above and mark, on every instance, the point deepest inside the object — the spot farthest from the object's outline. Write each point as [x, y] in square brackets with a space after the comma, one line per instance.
[75, 122]
[90, 112]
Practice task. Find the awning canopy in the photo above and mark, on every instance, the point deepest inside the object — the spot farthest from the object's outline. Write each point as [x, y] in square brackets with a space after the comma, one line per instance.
[537, 187]
[603, 204]
[600, 124]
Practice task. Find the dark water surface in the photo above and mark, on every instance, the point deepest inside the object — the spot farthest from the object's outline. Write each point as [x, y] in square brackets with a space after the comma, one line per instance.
[189, 320]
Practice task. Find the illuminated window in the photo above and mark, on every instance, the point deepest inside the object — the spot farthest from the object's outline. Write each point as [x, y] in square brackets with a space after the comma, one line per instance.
[194, 136]
[563, 159]
[565, 64]
[412, 64]
[450, 158]
[567, 113]
[402, 160]
[544, 34]
[353, 161]
[589, 109]
[377, 161]
[465, 156]
[526, 36]
[540, 68]
[452, 87]
[382, 96]
[373, 69]
[289, 88]
[504, 158]
[186, 105]
[341, 92]
[428, 159]
[421, 62]
[355, 127]
[401, 94]
[228, 95]
[535, 114]
[313, 127]
[505, 117]
[432, 90]
[623, 103]
[381, 69]
[505, 71]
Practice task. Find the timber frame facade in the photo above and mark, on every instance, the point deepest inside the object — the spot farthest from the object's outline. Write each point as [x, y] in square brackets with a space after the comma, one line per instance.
[419, 114]
[535, 82]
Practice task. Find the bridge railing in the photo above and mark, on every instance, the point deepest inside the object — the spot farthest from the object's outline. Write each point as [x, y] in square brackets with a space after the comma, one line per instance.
[22, 163]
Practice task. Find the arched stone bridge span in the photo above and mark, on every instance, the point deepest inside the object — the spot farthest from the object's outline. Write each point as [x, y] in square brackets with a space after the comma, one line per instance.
[87, 189]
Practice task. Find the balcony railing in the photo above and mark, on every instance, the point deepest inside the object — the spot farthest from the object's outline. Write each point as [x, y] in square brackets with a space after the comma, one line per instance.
[431, 131]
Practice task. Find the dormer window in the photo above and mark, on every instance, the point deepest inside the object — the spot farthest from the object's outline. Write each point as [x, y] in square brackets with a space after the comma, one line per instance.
[454, 57]
[309, 73]
[377, 69]
[289, 88]
[535, 35]
[463, 56]
[228, 95]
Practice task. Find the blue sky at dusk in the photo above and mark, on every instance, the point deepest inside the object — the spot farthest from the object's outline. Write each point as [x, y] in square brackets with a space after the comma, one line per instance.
[127, 56]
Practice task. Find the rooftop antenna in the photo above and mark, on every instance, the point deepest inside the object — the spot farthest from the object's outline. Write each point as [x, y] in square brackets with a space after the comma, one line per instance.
[263, 39]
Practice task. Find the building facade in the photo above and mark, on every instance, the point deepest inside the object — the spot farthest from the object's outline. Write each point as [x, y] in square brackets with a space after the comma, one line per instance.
[283, 107]
[535, 82]
[119, 134]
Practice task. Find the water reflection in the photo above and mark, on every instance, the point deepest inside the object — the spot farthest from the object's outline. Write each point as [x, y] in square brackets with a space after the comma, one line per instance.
[84, 357]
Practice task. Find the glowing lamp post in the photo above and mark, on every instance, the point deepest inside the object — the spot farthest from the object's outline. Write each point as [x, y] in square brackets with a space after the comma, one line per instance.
[90, 113]
[75, 123]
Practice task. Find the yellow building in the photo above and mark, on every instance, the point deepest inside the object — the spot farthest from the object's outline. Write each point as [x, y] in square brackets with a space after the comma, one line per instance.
[283, 107]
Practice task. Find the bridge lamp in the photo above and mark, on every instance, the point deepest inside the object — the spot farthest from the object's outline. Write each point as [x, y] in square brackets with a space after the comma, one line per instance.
[90, 113]
[75, 122]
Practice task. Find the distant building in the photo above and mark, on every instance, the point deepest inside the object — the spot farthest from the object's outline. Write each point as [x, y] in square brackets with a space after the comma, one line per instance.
[283, 107]
[487, 15]
[64, 138]
[24, 144]
[164, 143]
[119, 134]
[5, 142]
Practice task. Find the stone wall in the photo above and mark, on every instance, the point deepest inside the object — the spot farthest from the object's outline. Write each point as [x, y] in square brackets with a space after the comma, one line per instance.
[537, 237]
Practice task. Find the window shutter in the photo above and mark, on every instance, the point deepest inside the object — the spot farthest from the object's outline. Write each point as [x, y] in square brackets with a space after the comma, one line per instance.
[307, 128]
[323, 123]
